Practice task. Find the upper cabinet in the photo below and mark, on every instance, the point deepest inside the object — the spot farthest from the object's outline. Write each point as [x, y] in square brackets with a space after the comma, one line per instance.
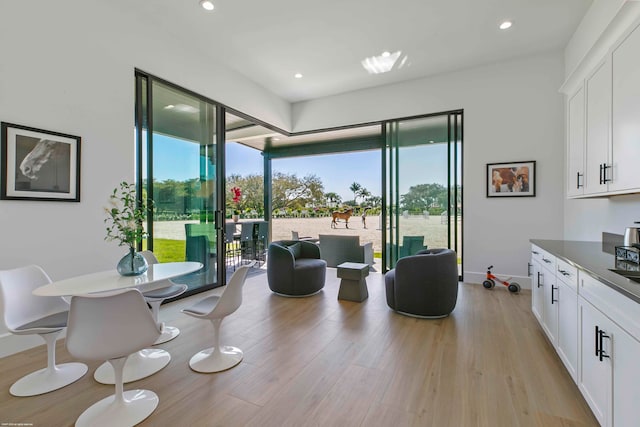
[575, 147]
[625, 112]
[603, 124]
[597, 149]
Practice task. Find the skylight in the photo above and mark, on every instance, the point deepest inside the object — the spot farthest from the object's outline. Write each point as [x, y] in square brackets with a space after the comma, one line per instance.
[384, 62]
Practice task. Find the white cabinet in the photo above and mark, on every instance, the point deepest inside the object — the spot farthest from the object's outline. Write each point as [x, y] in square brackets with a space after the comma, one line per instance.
[597, 143]
[550, 307]
[537, 282]
[575, 147]
[603, 129]
[609, 373]
[567, 344]
[594, 377]
[554, 302]
[625, 110]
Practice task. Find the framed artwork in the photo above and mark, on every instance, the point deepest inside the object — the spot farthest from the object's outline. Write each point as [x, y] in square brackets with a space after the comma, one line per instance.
[37, 164]
[515, 179]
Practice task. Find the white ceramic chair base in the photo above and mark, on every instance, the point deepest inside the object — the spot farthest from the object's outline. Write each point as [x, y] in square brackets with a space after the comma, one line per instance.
[139, 365]
[168, 333]
[138, 405]
[208, 361]
[46, 380]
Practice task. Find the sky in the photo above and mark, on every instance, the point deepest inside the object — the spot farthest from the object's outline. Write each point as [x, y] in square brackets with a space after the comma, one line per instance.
[179, 160]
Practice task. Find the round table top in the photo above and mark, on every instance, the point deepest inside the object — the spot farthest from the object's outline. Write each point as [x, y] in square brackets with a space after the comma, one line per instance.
[111, 280]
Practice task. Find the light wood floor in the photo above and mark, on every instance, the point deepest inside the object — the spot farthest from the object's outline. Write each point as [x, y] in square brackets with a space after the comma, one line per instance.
[320, 361]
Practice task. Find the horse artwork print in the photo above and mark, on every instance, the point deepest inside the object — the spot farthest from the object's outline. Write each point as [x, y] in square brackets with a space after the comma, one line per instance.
[511, 179]
[335, 215]
[39, 165]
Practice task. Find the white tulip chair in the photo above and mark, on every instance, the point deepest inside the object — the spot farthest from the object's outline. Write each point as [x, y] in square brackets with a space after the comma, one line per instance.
[25, 313]
[216, 308]
[111, 326]
[154, 298]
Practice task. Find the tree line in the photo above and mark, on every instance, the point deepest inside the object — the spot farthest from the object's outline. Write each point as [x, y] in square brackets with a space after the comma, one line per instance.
[290, 193]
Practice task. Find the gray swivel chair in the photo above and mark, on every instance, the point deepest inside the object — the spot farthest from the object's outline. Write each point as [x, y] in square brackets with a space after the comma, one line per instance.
[424, 285]
[294, 268]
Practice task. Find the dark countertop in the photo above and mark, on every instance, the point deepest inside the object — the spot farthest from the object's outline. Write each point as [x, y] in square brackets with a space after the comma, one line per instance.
[590, 257]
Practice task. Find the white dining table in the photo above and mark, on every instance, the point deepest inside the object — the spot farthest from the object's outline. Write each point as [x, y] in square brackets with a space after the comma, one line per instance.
[142, 363]
[111, 280]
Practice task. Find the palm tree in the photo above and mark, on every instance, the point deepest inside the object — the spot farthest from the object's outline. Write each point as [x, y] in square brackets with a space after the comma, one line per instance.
[363, 193]
[355, 187]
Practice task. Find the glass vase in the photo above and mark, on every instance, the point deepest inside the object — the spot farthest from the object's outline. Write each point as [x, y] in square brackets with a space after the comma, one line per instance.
[132, 264]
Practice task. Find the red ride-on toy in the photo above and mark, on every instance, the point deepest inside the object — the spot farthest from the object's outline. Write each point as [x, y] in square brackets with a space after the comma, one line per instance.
[490, 282]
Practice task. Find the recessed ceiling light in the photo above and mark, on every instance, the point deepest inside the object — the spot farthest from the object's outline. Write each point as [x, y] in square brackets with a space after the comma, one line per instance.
[207, 5]
[297, 75]
[506, 25]
[170, 107]
[386, 54]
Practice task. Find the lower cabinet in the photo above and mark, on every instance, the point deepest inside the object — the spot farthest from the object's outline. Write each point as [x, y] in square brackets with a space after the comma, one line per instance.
[550, 306]
[567, 344]
[609, 374]
[537, 285]
[594, 377]
[594, 330]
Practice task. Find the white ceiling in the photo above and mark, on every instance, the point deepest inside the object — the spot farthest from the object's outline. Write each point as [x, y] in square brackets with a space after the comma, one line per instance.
[269, 41]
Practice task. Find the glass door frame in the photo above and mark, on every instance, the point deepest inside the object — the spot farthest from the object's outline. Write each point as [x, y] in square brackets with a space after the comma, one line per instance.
[390, 184]
[144, 120]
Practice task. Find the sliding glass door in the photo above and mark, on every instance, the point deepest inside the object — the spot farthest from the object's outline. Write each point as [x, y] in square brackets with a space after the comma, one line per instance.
[423, 170]
[178, 158]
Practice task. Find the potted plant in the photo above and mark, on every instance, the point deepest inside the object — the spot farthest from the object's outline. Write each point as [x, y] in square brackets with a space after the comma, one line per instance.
[125, 224]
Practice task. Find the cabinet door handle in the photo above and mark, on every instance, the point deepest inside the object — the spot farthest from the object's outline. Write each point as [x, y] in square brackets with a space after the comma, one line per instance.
[548, 261]
[578, 175]
[535, 253]
[539, 274]
[553, 288]
[528, 269]
[604, 173]
[602, 355]
[564, 272]
[597, 335]
[600, 173]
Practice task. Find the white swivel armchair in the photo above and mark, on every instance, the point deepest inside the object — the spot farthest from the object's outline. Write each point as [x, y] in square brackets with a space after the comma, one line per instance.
[216, 308]
[25, 314]
[155, 298]
[111, 326]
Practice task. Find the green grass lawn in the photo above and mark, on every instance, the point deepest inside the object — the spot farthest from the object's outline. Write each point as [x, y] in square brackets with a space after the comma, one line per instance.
[167, 250]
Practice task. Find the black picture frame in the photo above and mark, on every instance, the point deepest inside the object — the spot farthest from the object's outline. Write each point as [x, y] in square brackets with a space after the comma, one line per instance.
[37, 164]
[511, 179]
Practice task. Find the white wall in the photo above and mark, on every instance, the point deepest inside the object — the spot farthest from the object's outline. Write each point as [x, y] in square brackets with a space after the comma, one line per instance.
[512, 112]
[593, 24]
[68, 66]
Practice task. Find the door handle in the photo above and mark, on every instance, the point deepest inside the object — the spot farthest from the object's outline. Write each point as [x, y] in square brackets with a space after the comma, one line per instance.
[539, 274]
[604, 173]
[553, 288]
[601, 179]
[602, 355]
[528, 269]
[578, 175]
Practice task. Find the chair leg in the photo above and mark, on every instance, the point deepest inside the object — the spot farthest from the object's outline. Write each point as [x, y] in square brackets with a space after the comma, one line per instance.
[122, 408]
[168, 332]
[140, 364]
[217, 358]
[50, 378]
